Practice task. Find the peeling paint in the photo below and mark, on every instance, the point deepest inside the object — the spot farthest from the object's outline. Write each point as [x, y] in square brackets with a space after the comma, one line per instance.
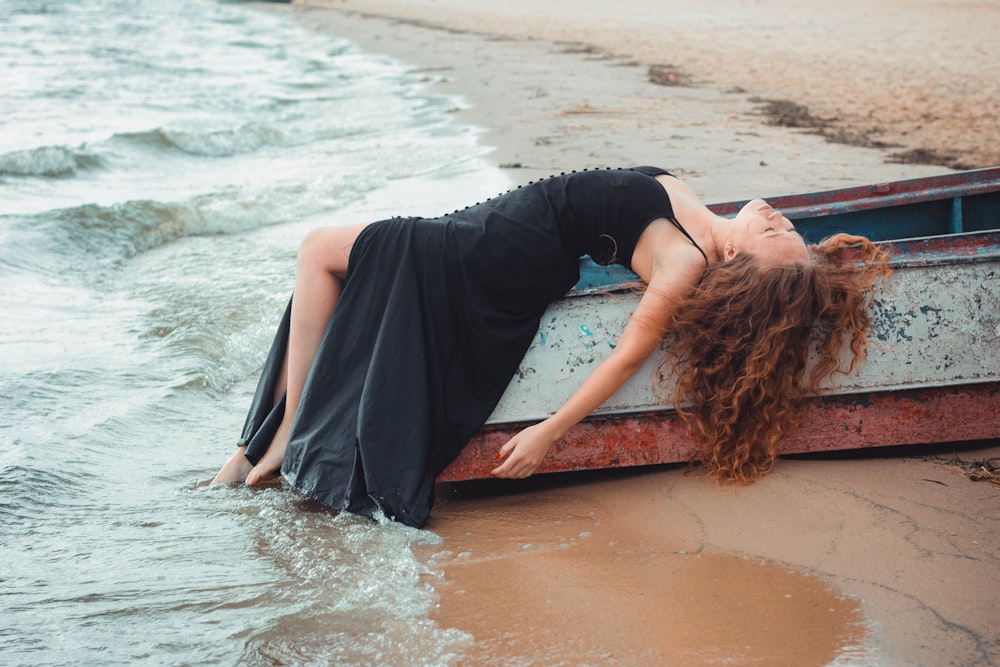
[830, 423]
[932, 325]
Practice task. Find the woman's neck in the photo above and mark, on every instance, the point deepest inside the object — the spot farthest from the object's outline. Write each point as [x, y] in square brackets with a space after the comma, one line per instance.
[710, 231]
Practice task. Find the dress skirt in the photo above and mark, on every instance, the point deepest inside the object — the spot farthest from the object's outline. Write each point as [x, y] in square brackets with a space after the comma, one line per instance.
[433, 321]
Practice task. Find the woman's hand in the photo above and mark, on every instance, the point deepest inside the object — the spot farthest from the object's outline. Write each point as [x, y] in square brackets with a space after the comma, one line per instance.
[524, 452]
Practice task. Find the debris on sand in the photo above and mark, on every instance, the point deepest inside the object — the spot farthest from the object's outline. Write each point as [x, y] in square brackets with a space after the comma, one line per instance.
[930, 156]
[987, 470]
[785, 113]
[668, 75]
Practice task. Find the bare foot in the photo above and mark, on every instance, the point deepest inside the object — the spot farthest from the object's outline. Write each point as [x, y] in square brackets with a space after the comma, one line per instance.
[270, 464]
[235, 469]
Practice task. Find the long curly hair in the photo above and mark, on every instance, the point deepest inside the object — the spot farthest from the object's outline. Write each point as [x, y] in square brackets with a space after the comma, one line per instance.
[743, 346]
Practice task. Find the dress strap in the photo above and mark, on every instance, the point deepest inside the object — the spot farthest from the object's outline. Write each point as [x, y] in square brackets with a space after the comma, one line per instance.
[685, 233]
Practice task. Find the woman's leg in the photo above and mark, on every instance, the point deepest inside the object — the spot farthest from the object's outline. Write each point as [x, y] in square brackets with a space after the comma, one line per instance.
[236, 469]
[319, 275]
[319, 279]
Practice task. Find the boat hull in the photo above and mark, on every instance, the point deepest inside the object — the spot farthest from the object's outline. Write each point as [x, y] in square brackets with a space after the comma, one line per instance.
[932, 372]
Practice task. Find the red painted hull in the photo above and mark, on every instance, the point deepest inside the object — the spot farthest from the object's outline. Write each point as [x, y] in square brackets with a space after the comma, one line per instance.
[831, 423]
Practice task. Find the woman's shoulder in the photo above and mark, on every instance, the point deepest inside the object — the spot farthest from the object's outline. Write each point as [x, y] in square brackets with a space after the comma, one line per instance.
[664, 255]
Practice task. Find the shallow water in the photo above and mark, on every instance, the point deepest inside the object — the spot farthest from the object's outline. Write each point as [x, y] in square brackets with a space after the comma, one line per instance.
[159, 162]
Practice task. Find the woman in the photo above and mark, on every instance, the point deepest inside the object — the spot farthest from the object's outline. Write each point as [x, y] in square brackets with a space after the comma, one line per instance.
[402, 335]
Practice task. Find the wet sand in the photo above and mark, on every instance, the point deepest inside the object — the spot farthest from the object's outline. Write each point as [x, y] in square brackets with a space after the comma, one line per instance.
[874, 558]
[607, 569]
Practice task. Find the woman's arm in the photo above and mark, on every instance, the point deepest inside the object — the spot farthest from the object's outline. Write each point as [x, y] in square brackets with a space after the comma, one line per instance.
[641, 337]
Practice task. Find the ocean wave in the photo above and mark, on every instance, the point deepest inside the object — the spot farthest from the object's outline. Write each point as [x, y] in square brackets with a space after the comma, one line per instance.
[77, 241]
[27, 489]
[123, 230]
[11, 455]
[208, 356]
[246, 138]
[129, 228]
[48, 161]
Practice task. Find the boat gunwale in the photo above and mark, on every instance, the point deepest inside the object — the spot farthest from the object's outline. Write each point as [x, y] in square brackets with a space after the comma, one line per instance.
[878, 195]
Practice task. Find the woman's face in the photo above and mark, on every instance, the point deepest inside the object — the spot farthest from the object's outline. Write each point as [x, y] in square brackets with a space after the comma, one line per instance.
[760, 230]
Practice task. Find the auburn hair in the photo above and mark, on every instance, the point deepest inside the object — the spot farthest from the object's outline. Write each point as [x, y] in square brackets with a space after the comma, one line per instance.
[744, 337]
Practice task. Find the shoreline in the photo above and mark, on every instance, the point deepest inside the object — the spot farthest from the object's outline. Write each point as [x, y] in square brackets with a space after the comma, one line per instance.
[563, 83]
[630, 567]
[547, 106]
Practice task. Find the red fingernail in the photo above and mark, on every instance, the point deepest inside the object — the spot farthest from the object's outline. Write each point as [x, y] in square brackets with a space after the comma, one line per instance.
[497, 456]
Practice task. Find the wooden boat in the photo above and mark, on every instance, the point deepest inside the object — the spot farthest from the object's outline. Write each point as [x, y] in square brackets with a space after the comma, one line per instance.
[933, 368]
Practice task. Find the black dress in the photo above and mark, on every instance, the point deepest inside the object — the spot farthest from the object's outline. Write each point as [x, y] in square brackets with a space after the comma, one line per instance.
[433, 321]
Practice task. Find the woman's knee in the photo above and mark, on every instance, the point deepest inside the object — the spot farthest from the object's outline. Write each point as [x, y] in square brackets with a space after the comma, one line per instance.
[318, 248]
[327, 248]
[314, 244]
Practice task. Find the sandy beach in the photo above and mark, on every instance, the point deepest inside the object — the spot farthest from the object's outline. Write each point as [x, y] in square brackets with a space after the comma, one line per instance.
[885, 557]
[697, 87]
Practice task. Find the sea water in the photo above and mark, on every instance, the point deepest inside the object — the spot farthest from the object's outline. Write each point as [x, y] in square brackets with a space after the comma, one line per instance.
[159, 162]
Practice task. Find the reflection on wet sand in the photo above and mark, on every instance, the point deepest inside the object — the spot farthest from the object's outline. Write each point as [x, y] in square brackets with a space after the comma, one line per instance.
[555, 575]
